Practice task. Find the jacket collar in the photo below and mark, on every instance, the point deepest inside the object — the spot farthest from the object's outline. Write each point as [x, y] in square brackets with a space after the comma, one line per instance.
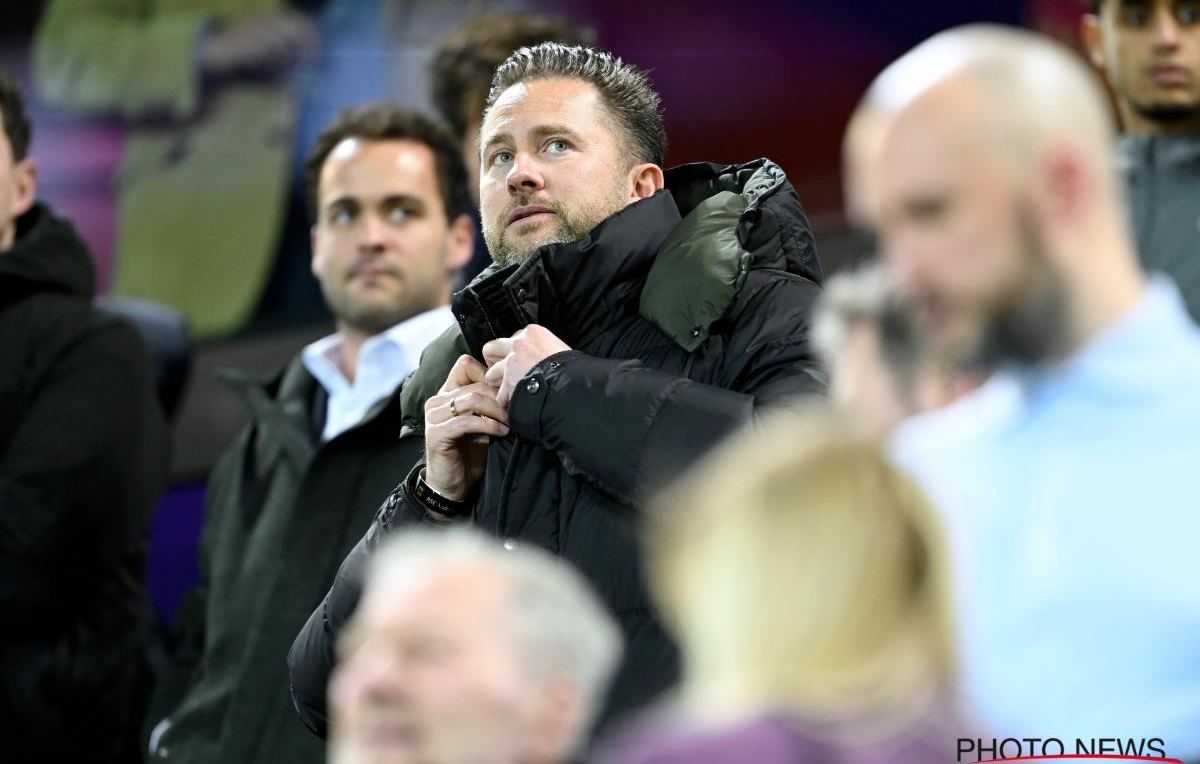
[738, 217]
[1154, 151]
[47, 256]
[289, 401]
[575, 290]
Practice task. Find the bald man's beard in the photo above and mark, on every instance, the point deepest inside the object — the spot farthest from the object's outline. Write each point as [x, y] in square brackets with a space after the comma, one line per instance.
[1030, 324]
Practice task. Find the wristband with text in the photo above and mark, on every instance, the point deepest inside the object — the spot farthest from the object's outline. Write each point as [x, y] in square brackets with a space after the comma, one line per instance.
[434, 501]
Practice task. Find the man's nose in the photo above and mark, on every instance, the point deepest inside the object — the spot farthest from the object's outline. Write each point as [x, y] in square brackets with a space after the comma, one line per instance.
[525, 175]
[1165, 26]
[373, 678]
[374, 234]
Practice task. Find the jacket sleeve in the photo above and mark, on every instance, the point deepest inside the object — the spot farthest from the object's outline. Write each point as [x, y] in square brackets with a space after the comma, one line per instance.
[86, 463]
[105, 57]
[312, 657]
[629, 428]
[314, 651]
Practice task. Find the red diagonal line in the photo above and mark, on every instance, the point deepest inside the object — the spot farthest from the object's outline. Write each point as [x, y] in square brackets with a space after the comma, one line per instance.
[1056, 757]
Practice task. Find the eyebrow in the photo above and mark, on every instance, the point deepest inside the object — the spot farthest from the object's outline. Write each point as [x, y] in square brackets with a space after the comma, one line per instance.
[390, 199]
[409, 200]
[538, 133]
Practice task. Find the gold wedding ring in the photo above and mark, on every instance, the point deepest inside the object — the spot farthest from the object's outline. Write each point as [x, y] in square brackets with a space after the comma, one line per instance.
[453, 410]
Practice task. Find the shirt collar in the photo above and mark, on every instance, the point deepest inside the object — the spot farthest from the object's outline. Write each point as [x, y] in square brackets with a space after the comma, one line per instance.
[1121, 357]
[1124, 353]
[412, 335]
[409, 337]
[1157, 151]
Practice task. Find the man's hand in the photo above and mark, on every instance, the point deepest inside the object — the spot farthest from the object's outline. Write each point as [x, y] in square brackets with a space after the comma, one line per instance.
[259, 45]
[460, 422]
[509, 360]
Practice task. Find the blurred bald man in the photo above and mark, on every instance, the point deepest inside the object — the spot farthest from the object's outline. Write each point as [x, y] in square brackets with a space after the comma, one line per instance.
[1067, 481]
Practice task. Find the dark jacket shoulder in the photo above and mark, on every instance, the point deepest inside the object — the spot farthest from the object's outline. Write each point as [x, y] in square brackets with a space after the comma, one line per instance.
[83, 450]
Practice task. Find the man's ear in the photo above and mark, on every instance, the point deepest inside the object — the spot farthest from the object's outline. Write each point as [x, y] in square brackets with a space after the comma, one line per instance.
[312, 243]
[25, 174]
[645, 180]
[460, 243]
[1091, 32]
[1067, 185]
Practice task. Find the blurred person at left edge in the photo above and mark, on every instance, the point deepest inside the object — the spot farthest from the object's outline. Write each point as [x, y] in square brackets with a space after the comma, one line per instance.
[83, 458]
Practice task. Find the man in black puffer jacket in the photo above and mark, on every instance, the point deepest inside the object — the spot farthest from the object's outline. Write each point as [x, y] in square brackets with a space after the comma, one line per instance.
[82, 460]
[632, 319]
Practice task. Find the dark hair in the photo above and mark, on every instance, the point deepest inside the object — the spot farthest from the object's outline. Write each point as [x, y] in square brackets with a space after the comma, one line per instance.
[625, 89]
[1095, 5]
[16, 121]
[389, 122]
[462, 67]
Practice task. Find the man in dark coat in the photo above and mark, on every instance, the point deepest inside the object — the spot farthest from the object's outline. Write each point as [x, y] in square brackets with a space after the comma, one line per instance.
[624, 329]
[1149, 51]
[82, 460]
[301, 483]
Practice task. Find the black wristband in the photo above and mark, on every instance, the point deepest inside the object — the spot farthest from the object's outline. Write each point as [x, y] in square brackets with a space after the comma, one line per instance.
[432, 500]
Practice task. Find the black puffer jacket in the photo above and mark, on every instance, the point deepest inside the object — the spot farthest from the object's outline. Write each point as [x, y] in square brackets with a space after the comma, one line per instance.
[687, 314]
[82, 460]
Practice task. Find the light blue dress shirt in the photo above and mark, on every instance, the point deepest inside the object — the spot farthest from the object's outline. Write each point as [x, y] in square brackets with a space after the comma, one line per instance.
[383, 362]
[1071, 496]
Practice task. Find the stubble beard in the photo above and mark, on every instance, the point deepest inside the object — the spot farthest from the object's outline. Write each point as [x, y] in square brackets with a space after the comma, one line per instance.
[372, 317]
[570, 225]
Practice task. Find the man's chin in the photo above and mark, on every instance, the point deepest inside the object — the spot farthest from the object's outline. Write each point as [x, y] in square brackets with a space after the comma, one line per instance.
[372, 319]
[1168, 112]
[518, 250]
[373, 753]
